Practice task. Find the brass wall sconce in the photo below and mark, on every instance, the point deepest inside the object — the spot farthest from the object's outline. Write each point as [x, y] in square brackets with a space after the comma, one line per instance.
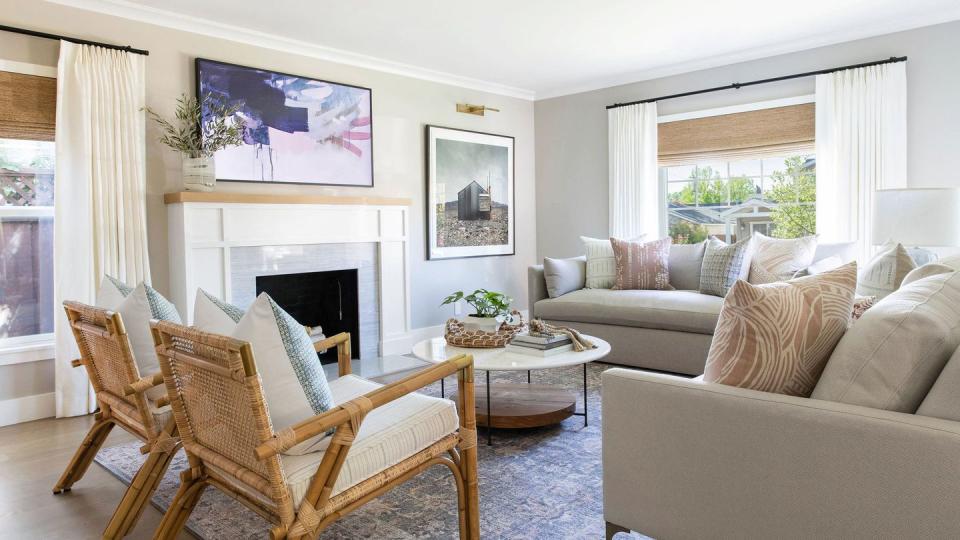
[474, 109]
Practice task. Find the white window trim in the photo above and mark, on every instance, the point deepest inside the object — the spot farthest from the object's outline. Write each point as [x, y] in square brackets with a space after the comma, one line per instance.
[28, 69]
[733, 109]
[26, 349]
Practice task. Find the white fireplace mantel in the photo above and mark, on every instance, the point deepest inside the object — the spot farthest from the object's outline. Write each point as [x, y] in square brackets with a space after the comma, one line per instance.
[204, 227]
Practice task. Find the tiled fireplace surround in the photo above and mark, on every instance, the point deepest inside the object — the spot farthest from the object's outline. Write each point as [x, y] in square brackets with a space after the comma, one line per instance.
[221, 244]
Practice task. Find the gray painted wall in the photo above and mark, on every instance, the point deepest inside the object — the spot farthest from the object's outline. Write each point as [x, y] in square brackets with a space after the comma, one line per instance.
[571, 131]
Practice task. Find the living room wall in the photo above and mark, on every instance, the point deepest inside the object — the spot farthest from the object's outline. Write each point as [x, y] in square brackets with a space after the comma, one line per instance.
[571, 131]
[402, 106]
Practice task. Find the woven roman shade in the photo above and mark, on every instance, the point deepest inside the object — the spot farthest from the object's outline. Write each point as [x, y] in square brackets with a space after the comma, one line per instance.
[28, 106]
[766, 132]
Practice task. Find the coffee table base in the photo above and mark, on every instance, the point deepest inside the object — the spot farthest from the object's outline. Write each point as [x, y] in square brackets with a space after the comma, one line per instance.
[518, 406]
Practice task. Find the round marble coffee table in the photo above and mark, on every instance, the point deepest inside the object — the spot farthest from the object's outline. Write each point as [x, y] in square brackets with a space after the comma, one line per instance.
[513, 406]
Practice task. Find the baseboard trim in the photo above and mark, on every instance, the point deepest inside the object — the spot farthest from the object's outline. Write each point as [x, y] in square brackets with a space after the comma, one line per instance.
[27, 408]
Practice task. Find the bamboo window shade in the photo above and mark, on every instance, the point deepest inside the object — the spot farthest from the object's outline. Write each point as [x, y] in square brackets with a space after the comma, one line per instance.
[751, 134]
[28, 106]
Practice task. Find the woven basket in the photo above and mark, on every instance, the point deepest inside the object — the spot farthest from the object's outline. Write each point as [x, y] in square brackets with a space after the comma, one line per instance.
[456, 334]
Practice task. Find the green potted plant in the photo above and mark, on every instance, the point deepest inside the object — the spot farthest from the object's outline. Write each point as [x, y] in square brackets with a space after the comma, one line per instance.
[199, 130]
[491, 309]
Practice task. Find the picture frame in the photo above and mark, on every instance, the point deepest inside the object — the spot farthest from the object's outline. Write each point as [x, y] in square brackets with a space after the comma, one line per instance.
[470, 193]
[300, 130]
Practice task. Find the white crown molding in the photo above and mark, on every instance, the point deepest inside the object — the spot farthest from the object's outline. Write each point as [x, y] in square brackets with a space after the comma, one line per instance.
[813, 42]
[196, 25]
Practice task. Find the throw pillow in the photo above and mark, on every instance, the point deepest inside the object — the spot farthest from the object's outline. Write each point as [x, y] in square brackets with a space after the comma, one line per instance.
[779, 259]
[601, 264]
[685, 263]
[925, 271]
[564, 275]
[642, 265]
[723, 265]
[824, 265]
[885, 271]
[860, 305]
[210, 314]
[294, 384]
[777, 337]
[892, 356]
[136, 307]
[943, 399]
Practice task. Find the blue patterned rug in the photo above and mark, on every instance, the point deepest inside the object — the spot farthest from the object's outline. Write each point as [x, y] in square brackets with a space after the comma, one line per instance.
[535, 483]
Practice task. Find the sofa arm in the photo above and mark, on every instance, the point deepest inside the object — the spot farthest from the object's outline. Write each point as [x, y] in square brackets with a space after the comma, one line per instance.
[536, 287]
[687, 459]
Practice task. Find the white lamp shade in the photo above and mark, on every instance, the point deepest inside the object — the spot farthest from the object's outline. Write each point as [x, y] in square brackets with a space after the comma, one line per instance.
[917, 217]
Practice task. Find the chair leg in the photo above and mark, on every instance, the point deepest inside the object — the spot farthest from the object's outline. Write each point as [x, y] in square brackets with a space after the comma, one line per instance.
[84, 455]
[138, 495]
[468, 468]
[180, 508]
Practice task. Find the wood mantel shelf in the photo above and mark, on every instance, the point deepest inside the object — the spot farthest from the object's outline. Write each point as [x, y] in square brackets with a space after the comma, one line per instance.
[259, 198]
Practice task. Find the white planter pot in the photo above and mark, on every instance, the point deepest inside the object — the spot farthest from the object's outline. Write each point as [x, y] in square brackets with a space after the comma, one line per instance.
[485, 324]
[199, 174]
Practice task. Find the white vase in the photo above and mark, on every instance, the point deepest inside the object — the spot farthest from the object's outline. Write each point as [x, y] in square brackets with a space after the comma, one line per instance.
[485, 324]
[199, 174]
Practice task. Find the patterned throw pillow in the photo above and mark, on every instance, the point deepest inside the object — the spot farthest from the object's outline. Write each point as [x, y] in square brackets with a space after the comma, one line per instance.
[601, 264]
[294, 384]
[211, 314]
[642, 265]
[723, 265]
[885, 271]
[779, 259]
[778, 337]
[860, 306]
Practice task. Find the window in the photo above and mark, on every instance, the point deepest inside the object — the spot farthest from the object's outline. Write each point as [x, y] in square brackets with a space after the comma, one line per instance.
[26, 240]
[775, 196]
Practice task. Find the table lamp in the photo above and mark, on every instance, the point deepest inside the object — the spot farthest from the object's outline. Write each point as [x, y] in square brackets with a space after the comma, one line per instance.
[924, 217]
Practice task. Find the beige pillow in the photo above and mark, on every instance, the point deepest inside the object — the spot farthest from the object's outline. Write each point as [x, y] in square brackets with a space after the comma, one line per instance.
[890, 358]
[642, 265]
[885, 271]
[777, 337]
[601, 264]
[925, 271]
[779, 259]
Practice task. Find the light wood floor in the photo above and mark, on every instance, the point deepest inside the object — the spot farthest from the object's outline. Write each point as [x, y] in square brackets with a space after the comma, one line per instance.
[32, 457]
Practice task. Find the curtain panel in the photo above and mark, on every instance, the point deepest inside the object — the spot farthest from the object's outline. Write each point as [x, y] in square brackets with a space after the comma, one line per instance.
[861, 141]
[100, 205]
[634, 186]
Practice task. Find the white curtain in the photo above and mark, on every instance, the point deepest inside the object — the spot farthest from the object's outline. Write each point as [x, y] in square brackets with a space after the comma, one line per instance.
[100, 210]
[635, 205]
[861, 147]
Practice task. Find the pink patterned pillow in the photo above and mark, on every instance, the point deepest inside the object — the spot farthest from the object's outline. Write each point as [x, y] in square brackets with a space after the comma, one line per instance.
[642, 265]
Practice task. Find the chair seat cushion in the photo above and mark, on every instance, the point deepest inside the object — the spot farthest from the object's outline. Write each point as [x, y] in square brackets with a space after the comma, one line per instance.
[683, 311]
[388, 435]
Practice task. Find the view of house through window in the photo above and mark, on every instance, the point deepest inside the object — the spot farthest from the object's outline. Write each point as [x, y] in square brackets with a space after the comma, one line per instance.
[26, 238]
[733, 199]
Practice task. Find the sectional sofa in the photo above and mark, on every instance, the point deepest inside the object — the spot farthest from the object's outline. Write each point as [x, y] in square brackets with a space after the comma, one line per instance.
[662, 330]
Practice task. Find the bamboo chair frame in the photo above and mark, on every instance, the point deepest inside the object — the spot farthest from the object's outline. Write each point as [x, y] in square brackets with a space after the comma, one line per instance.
[106, 354]
[253, 474]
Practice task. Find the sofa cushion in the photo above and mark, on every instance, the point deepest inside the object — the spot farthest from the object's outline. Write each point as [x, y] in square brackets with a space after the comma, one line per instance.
[943, 400]
[684, 311]
[777, 337]
[642, 265]
[724, 264]
[890, 358]
[388, 435]
[925, 271]
[685, 263]
[779, 259]
[564, 275]
[885, 271]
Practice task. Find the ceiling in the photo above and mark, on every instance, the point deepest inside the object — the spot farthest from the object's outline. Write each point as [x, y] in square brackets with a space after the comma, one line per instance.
[537, 48]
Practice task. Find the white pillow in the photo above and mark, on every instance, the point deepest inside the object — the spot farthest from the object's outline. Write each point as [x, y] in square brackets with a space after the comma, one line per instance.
[825, 265]
[136, 307]
[885, 271]
[601, 263]
[210, 314]
[779, 259]
[294, 384]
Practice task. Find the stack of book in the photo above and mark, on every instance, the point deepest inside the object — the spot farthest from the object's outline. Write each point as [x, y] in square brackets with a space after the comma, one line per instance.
[535, 344]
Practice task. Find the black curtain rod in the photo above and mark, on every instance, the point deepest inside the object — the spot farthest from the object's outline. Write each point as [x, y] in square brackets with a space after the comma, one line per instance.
[737, 86]
[35, 33]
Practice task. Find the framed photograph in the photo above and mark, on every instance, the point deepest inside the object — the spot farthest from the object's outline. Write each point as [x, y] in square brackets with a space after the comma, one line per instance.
[469, 194]
[299, 130]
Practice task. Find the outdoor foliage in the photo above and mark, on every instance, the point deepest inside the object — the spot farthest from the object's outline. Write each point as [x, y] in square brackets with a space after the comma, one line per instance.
[687, 232]
[712, 189]
[795, 185]
[485, 303]
[195, 134]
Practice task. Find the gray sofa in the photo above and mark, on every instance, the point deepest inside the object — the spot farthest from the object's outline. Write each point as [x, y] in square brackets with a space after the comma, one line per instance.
[661, 330]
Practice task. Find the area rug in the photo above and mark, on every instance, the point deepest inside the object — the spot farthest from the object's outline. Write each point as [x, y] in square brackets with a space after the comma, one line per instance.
[534, 483]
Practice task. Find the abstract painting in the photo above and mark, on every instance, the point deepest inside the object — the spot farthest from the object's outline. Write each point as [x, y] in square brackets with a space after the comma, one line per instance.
[298, 130]
[469, 193]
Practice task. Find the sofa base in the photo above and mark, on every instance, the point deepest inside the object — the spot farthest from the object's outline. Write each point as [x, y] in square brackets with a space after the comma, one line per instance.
[613, 528]
[661, 350]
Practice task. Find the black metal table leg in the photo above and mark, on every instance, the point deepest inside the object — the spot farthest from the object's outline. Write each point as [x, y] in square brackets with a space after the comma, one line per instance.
[528, 376]
[442, 389]
[584, 395]
[489, 399]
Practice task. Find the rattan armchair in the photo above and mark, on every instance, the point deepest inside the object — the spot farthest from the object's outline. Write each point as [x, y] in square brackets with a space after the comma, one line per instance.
[106, 354]
[230, 443]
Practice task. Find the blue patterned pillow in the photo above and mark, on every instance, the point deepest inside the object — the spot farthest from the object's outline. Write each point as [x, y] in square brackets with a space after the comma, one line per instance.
[724, 264]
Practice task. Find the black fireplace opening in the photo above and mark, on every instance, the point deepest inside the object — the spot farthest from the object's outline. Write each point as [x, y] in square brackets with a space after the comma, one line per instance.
[326, 299]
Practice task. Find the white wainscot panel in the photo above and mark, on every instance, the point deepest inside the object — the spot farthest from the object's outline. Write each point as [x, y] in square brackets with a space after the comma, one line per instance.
[300, 224]
[392, 223]
[205, 225]
[209, 274]
[393, 290]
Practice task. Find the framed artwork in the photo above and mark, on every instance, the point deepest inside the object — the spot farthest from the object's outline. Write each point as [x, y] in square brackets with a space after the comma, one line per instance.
[470, 195]
[299, 130]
